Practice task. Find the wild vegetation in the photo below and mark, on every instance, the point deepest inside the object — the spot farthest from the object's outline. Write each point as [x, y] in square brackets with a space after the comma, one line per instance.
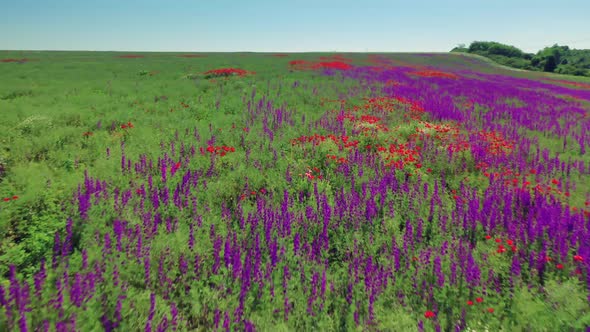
[279, 192]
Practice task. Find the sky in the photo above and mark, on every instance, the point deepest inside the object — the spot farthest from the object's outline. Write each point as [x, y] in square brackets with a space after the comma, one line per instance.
[290, 26]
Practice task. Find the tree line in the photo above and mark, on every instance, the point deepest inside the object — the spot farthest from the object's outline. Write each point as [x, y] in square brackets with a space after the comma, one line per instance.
[554, 59]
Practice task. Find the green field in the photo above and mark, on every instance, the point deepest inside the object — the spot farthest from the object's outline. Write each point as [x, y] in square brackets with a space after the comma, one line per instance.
[316, 192]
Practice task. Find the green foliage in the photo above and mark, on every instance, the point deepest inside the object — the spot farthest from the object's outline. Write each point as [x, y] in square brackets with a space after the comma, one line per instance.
[562, 307]
[550, 64]
[557, 59]
[29, 223]
[461, 48]
[567, 69]
[494, 48]
[17, 94]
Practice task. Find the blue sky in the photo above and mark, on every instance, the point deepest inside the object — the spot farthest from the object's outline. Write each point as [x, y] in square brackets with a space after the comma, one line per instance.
[289, 26]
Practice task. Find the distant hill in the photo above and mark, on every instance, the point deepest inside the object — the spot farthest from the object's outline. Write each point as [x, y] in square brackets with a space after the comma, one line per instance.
[554, 59]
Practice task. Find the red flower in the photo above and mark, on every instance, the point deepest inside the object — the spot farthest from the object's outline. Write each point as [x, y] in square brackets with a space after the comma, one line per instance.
[555, 181]
[470, 302]
[488, 237]
[479, 300]
[578, 258]
[7, 199]
[124, 126]
[509, 242]
[498, 240]
[490, 310]
[14, 197]
[429, 314]
[559, 266]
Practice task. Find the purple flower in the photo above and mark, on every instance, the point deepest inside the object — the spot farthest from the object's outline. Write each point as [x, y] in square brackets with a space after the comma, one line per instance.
[152, 306]
[226, 322]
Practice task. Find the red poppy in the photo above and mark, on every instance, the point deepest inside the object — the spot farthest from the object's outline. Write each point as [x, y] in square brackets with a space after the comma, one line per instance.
[555, 181]
[498, 240]
[469, 302]
[490, 310]
[123, 126]
[14, 197]
[225, 72]
[509, 242]
[488, 237]
[578, 258]
[479, 300]
[559, 266]
[7, 199]
[429, 314]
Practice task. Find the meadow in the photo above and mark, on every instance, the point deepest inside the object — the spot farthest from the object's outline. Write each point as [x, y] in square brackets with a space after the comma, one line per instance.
[291, 192]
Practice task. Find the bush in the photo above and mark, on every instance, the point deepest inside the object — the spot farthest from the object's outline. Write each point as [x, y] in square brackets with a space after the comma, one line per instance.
[571, 70]
[495, 48]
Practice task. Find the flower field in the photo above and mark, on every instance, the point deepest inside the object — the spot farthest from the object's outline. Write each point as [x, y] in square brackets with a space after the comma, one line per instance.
[291, 192]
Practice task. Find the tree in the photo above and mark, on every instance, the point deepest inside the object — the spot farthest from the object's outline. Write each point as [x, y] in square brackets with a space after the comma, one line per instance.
[550, 64]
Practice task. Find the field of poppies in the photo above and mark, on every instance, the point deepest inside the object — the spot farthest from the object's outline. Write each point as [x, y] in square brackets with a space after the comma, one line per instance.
[291, 192]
